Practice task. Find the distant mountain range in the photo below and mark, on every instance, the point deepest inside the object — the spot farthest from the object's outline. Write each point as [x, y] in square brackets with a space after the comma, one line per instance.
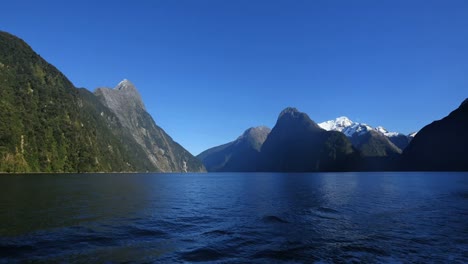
[372, 142]
[295, 144]
[48, 125]
[298, 144]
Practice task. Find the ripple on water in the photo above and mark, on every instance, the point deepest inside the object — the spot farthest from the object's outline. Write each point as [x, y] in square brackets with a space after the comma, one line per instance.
[273, 219]
[325, 213]
[364, 249]
[241, 225]
[204, 254]
[290, 254]
[327, 210]
[146, 232]
[218, 232]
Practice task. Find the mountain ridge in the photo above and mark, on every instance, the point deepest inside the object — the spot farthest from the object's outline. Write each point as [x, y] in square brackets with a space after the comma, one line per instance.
[49, 125]
[238, 155]
[397, 142]
[349, 127]
[441, 145]
[163, 152]
[297, 144]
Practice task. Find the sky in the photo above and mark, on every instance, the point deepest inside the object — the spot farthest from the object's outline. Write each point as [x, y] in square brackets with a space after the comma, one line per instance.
[208, 70]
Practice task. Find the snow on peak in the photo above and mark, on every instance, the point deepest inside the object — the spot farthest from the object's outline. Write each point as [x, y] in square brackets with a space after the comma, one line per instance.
[349, 128]
[125, 84]
[381, 129]
[392, 134]
[385, 132]
[343, 121]
[339, 124]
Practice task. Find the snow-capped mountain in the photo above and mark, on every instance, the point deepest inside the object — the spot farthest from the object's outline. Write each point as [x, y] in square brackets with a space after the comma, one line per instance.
[354, 130]
[349, 128]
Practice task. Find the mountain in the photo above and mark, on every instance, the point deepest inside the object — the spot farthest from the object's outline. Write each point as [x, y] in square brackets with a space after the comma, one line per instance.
[48, 125]
[372, 142]
[298, 144]
[398, 139]
[441, 145]
[238, 155]
[165, 154]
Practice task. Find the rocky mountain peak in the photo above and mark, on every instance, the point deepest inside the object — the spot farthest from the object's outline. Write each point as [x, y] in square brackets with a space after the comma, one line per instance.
[339, 124]
[125, 85]
[349, 128]
[291, 117]
[165, 154]
[343, 121]
[256, 134]
[289, 111]
[381, 129]
[238, 155]
[128, 89]
[124, 96]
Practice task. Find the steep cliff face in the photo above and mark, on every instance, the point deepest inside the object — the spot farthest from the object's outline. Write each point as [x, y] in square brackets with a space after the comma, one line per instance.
[48, 125]
[165, 154]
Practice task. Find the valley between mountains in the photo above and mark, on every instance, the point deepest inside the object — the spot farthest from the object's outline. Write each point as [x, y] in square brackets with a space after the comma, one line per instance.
[48, 125]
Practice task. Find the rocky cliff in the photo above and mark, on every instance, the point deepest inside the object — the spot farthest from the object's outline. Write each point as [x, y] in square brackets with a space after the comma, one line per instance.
[163, 152]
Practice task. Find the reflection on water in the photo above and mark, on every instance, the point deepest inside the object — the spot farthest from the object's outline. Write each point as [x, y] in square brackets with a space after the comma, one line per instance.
[235, 217]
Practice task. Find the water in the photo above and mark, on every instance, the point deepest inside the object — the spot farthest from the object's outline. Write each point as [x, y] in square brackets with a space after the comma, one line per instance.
[235, 218]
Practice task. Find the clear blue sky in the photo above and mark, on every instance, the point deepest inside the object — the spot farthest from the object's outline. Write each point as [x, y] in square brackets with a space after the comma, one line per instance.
[208, 70]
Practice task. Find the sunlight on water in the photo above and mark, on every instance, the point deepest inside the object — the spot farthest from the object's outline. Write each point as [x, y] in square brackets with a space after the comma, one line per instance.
[235, 217]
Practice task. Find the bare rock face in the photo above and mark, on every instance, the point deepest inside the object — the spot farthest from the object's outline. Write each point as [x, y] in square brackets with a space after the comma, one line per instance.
[165, 154]
[124, 100]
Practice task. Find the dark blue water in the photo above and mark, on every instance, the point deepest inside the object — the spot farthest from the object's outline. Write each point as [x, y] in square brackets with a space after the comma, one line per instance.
[235, 218]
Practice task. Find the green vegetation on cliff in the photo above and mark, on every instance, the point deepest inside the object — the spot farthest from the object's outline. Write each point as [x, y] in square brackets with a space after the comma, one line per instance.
[48, 125]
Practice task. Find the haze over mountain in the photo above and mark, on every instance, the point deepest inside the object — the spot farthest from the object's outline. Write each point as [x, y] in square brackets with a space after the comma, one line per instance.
[241, 154]
[48, 125]
[441, 145]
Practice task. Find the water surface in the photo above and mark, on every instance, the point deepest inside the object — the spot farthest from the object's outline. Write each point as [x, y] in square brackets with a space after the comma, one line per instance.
[235, 217]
